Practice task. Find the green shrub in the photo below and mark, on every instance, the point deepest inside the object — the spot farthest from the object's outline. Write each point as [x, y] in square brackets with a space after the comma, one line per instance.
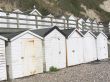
[53, 69]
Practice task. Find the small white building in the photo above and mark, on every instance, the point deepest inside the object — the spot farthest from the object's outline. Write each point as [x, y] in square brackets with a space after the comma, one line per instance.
[95, 26]
[102, 47]
[54, 47]
[72, 21]
[88, 24]
[35, 19]
[89, 42]
[48, 21]
[74, 46]
[3, 20]
[81, 24]
[3, 72]
[24, 54]
[61, 22]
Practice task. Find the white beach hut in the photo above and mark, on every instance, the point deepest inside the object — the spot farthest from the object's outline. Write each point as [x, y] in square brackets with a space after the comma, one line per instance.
[61, 22]
[14, 19]
[3, 72]
[24, 54]
[81, 23]
[89, 42]
[102, 47]
[72, 21]
[100, 27]
[48, 21]
[88, 24]
[3, 20]
[34, 19]
[54, 47]
[74, 46]
[94, 26]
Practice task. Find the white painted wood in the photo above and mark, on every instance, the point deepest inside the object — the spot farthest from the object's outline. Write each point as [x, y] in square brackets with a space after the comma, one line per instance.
[25, 56]
[16, 20]
[48, 21]
[72, 20]
[102, 47]
[100, 26]
[81, 22]
[12, 20]
[90, 53]
[61, 22]
[95, 25]
[3, 72]
[55, 53]
[64, 21]
[30, 17]
[88, 23]
[17, 11]
[22, 21]
[23, 33]
[35, 12]
[75, 49]
[3, 14]
[37, 17]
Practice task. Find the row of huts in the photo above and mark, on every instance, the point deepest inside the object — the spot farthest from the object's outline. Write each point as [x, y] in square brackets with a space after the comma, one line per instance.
[34, 19]
[26, 52]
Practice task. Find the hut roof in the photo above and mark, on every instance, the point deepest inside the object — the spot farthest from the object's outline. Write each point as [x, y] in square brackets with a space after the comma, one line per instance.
[68, 31]
[11, 32]
[46, 31]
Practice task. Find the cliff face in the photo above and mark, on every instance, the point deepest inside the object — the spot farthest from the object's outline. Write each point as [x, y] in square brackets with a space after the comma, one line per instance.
[95, 9]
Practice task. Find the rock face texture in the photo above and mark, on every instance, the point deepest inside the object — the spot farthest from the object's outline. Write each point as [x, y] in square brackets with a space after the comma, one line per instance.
[105, 6]
[95, 9]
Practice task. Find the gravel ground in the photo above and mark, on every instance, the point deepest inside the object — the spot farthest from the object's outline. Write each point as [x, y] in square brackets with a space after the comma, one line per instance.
[91, 72]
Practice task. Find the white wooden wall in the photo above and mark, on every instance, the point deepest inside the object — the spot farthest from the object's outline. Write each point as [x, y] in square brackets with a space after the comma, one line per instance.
[95, 25]
[12, 20]
[100, 27]
[81, 23]
[88, 24]
[3, 20]
[55, 53]
[72, 21]
[17, 60]
[90, 53]
[48, 21]
[102, 47]
[3, 73]
[75, 49]
[34, 20]
[61, 22]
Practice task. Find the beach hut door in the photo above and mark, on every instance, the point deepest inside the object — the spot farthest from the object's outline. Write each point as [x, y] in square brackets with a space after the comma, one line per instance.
[29, 57]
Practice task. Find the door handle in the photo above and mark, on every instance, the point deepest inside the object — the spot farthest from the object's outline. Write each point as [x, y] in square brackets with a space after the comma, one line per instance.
[73, 51]
[22, 57]
[59, 52]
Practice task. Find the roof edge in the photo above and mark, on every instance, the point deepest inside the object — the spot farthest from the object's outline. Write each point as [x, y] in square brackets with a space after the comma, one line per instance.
[21, 34]
[55, 27]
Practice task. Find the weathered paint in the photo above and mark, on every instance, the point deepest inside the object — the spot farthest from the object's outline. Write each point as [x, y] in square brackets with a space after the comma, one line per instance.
[55, 54]
[102, 47]
[36, 17]
[12, 20]
[72, 20]
[75, 49]
[25, 56]
[48, 21]
[90, 53]
[3, 20]
[3, 74]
